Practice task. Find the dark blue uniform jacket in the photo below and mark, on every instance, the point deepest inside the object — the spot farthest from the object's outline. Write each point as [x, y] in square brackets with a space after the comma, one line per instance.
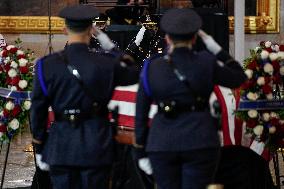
[189, 130]
[90, 143]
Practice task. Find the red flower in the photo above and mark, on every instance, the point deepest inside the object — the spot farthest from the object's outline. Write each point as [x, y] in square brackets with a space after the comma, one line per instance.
[4, 53]
[251, 123]
[16, 110]
[24, 69]
[262, 43]
[268, 50]
[6, 113]
[7, 67]
[21, 56]
[13, 50]
[281, 47]
[274, 121]
[8, 80]
[3, 128]
[277, 78]
[266, 89]
[276, 65]
[248, 84]
[252, 65]
[267, 79]
[15, 80]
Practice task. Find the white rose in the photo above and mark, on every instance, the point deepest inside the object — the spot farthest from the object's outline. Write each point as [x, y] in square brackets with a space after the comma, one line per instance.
[23, 84]
[14, 64]
[256, 49]
[273, 56]
[27, 105]
[269, 96]
[249, 73]
[264, 54]
[12, 73]
[258, 130]
[13, 88]
[282, 70]
[8, 58]
[252, 113]
[272, 130]
[14, 124]
[266, 116]
[260, 81]
[23, 62]
[268, 44]
[273, 115]
[252, 96]
[9, 105]
[268, 68]
[9, 47]
[19, 52]
[281, 55]
[276, 48]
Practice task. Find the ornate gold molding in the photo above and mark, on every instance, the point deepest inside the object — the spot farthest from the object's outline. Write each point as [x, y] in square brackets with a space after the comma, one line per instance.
[267, 20]
[30, 24]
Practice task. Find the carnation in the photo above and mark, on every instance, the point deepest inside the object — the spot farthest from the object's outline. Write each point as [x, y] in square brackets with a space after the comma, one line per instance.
[9, 47]
[23, 62]
[20, 52]
[27, 105]
[252, 96]
[267, 44]
[23, 84]
[264, 54]
[265, 117]
[12, 73]
[252, 113]
[14, 124]
[258, 130]
[272, 130]
[282, 70]
[9, 105]
[249, 73]
[260, 81]
[273, 56]
[268, 68]
[14, 64]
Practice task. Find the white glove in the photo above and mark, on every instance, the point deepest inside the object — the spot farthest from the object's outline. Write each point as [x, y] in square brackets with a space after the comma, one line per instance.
[42, 165]
[210, 43]
[139, 36]
[145, 165]
[104, 40]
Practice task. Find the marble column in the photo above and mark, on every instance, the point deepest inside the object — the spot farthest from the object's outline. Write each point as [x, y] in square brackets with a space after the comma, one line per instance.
[239, 30]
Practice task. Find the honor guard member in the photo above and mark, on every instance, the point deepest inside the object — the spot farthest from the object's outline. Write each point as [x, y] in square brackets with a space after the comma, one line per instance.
[182, 143]
[78, 85]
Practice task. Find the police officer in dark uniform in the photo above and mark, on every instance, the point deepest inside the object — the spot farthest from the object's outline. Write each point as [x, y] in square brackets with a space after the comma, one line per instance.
[78, 85]
[182, 144]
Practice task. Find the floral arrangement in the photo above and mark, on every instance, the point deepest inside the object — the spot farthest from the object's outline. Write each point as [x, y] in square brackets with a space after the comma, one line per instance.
[265, 72]
[16, 74]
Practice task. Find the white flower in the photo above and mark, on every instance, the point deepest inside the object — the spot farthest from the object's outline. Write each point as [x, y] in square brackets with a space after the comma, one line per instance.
[14, 64]
[14, 124]
[9, 47]
[273, 115]
[19, 52]
[273, 56]
[252, 113]
[269, 96]
[260, 81]
[27, 105]
[12, 73]
[268, 44]
[13, 88]
[281, 121]
[1, 134]
[256, 49]
[258, 130]
[268, 68]
[252, 96]
[281, 55]
[264, 54]
[276, 48]
[9, 105]
[8, 58]
[23, 62]
[282, 70]
[249, 73]
[272, 130]
[23, 84]
[266, 116]
[1, 113]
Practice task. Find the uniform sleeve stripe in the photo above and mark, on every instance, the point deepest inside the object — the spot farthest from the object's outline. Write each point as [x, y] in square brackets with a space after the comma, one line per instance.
[40, 77]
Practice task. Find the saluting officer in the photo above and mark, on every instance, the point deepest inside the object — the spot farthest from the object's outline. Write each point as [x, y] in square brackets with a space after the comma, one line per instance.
[182, 142]
[78, 85]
